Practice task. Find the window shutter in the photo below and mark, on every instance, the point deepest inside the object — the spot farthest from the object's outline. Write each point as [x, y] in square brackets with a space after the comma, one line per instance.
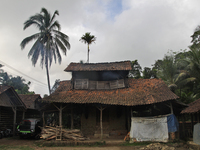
[81, 84]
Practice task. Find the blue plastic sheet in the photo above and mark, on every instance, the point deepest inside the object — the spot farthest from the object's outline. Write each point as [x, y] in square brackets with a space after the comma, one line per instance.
[172, 123]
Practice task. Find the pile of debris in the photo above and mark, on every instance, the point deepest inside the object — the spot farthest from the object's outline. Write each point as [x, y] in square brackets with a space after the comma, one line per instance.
[49, 133]
[157, 146]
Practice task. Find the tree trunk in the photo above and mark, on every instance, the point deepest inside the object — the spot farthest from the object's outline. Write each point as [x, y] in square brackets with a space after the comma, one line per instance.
[88, 54]
[48, 80]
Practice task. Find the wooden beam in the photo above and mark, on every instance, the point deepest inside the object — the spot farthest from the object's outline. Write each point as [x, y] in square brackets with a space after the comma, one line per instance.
[43, 118]
[101, 118]
[60, 115]
[23, 114]
[183, 121]
[72, 117]
[14, 119]
[171, 107]
[192, 121]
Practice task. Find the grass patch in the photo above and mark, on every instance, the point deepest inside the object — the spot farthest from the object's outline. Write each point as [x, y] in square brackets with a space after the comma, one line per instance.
[136, 144]
[69, 144]
[5, 147]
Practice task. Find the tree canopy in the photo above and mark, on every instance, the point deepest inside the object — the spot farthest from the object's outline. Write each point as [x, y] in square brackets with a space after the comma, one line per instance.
[88, 39]
[18, 83]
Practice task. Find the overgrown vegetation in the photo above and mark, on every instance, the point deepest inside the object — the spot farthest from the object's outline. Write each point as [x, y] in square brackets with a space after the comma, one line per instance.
[18, 83]
[180, 71]
[6, 147]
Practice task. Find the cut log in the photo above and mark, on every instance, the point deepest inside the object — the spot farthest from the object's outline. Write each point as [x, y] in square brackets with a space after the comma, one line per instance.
[49, 133]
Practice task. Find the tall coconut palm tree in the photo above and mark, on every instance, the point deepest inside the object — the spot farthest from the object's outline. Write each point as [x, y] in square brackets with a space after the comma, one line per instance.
[88, 39]
[48, 41]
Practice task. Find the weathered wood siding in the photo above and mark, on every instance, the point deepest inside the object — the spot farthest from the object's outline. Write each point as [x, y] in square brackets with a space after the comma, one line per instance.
[114, 121]
[4, 100]
[6, 117]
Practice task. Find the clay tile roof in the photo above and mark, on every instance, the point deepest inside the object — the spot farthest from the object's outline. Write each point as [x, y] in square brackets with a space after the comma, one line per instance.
[29, 100]
[3, 88]
[139, 92]
[194, 107]
[113, 66]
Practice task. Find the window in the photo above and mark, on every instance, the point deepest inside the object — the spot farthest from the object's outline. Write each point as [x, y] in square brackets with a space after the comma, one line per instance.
[100, 85]
[81, 84]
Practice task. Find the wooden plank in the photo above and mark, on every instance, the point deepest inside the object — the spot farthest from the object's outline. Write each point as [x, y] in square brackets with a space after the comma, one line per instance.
[100, 85]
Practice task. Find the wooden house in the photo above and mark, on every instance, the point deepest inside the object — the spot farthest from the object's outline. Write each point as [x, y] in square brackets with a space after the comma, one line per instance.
[32, 104]
[193, 111]
[106, 98]
[10, 106]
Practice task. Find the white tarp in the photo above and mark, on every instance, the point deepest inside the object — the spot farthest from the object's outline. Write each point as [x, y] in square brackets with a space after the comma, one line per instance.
[149, 129]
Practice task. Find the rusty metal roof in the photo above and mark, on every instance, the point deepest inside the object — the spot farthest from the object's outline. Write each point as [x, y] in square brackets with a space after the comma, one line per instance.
[112, 66]
[194, 107]
[139, 92]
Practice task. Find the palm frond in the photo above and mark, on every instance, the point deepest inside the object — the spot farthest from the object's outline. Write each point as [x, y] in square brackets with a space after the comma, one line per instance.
[60, 45]
[42, 54]
[36, 20]
[46, 17]
[54, 15]
[35, 54]
[64, 40]
[55, 25]
[186, 81]
[28, 39]
[58, 54]
[58, 33]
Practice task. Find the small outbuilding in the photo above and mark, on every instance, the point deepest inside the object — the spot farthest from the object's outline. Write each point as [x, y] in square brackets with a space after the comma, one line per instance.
[10, 106]
[33, 104]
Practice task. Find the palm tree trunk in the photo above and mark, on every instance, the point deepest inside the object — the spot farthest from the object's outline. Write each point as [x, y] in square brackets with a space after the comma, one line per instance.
[88, 54]
[48, 81]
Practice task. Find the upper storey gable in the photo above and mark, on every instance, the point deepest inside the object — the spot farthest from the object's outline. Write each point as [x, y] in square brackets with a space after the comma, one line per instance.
[99, 75]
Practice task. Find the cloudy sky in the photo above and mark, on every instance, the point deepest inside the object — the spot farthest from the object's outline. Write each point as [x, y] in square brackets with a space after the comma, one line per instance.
[125, 29]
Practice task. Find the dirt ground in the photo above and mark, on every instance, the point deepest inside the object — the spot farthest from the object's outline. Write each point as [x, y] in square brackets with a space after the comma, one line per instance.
[36, 145]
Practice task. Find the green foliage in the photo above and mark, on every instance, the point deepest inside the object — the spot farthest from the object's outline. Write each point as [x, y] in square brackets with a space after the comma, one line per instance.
[18, 83]
[189, 97]
[149, 73]
[136, 70]
[7, 147]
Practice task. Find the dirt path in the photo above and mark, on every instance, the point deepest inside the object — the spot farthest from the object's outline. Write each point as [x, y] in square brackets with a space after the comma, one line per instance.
[34, 144]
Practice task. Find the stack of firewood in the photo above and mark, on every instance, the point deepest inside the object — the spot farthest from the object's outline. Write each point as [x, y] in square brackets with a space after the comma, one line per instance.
[49, 133]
